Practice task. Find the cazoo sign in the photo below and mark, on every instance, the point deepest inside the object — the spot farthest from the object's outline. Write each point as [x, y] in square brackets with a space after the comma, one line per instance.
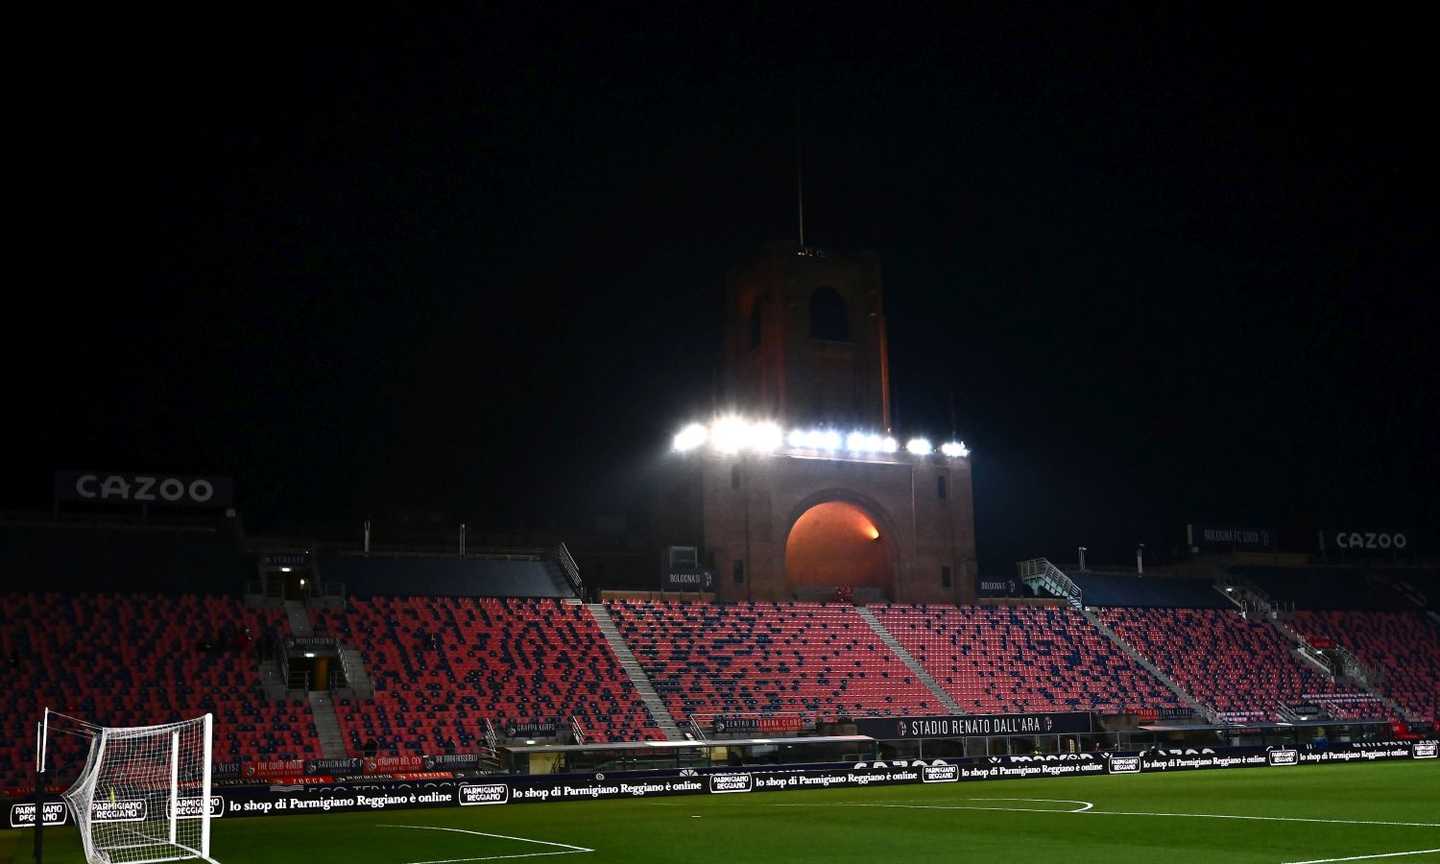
[136, 488]
[1384, 541]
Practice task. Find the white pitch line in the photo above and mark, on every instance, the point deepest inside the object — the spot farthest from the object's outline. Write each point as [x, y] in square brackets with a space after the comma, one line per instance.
[899, 806]
[568, 848]
[1365, 857]
[1271, 818]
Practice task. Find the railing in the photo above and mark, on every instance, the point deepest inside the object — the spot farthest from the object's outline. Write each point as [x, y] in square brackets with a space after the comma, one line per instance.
[437, 551]
[490, 737]
[1040, 572]
[570, 569]
[695, 731]
[1316, 658]
[577, 730]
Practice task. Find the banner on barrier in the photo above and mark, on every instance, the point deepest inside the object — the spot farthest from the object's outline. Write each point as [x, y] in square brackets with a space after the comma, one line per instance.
[971, 725]
[22, 814]
[357, 794]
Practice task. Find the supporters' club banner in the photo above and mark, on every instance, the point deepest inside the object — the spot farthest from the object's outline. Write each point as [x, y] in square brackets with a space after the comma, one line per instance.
[1227, 537]
[334, 767]
[394, 764]
[166, 490]
[451, 762]
[1001, 588]
[268, 768]
[533, 729]
[968, 725]
[700, 580]
[362, 796]
[724, 724]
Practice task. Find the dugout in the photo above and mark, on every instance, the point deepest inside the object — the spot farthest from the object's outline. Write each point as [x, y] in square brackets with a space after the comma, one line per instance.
[676, 755]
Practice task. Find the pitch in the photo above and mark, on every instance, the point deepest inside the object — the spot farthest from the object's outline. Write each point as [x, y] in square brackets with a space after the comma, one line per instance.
[1382, 813]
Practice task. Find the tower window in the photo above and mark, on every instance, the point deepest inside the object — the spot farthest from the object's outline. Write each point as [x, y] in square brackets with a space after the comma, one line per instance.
[828, 317]
[940, 486]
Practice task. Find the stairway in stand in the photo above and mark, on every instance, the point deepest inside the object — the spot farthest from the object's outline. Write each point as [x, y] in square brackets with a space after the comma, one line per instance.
[299, 618]
[1203, 710]
[327, 725]
[643, 688]
[910, 662]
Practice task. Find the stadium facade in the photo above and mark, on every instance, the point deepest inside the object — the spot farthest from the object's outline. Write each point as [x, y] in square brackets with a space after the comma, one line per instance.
[801, 487]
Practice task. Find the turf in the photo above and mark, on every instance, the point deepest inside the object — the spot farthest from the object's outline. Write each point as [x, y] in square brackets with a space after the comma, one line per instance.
[910, 824]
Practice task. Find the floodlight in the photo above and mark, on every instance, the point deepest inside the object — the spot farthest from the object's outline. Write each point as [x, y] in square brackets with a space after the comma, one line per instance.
[955, 449]
[765, 437]
[728, 434]
[690, 437]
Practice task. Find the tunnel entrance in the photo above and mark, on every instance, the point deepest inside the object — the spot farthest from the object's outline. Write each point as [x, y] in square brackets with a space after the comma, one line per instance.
[837, 548]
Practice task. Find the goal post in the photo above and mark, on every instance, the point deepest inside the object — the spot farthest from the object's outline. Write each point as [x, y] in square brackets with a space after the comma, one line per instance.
[144, 793]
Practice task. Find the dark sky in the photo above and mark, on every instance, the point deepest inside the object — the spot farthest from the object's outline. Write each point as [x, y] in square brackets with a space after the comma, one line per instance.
[1173, 265]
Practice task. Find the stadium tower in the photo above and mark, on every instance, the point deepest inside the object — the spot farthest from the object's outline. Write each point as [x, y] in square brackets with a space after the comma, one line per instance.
[799, 487]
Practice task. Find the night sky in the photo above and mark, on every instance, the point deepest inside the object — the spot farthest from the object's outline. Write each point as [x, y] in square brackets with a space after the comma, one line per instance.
[1173, 266]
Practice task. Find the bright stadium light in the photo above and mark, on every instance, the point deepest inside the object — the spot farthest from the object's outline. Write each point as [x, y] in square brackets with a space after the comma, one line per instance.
[765, 437]
[732, 435]
[955, 449]
[815, 439]
[690, 437]
[729, 434]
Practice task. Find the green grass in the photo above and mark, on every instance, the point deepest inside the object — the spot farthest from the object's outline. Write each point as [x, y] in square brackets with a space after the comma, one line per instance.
[835, 826]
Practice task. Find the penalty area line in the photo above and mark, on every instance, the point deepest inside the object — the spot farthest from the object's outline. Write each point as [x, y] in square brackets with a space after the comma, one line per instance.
[564, 848]
[895, 805]
[1365, 857]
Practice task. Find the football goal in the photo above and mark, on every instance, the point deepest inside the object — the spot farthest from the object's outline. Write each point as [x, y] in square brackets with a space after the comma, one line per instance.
[144, 793]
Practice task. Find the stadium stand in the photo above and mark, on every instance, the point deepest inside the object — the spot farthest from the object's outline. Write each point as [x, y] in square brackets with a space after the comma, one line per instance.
[441, 576]
[1124, 589]
[442, 666]
[139, 659]
[1403, 648]
[1005, 659]
[1243, 669]
[815, 658]
[96, 558]
[1326, 587]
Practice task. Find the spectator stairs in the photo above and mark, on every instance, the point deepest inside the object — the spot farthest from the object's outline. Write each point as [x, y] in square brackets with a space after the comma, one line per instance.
[643, 688]
[905, 657]
[1170, 684]
[1042, 576]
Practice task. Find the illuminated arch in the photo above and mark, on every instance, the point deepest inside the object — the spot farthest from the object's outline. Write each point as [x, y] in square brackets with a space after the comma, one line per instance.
[839, 538]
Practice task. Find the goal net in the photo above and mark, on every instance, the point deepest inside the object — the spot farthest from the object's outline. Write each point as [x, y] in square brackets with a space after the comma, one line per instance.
[144, 794]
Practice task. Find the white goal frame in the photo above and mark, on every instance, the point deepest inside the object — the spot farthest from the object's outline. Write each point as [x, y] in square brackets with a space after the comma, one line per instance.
[144, 795]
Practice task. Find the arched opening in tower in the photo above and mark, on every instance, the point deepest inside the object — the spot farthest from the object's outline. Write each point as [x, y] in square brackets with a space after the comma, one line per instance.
[837, 545]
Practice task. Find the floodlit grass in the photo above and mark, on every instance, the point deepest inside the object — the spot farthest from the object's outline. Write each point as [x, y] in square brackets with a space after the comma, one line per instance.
[883, 824]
